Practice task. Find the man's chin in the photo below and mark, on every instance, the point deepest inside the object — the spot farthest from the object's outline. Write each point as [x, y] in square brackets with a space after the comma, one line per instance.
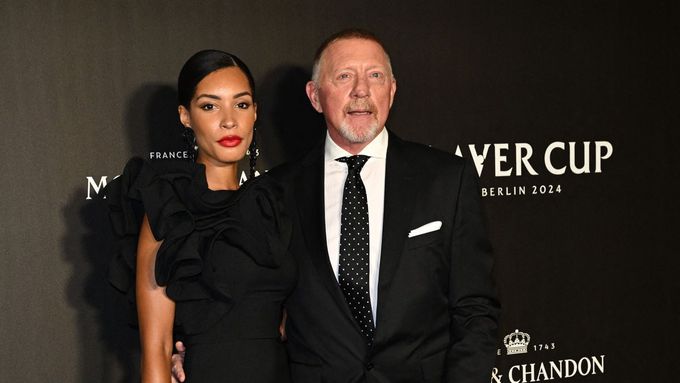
[361, 134]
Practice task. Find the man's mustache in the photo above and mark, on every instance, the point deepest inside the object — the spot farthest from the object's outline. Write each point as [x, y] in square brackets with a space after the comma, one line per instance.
[360, 105]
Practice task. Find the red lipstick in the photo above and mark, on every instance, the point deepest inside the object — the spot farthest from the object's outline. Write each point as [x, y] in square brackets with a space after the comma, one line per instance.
[230, 141]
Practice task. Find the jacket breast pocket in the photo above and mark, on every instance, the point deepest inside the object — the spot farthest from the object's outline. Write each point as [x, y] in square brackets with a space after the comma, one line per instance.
[426, 239]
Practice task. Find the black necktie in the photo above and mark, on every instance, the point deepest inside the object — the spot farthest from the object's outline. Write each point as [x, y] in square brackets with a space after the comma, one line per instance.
[354, 242]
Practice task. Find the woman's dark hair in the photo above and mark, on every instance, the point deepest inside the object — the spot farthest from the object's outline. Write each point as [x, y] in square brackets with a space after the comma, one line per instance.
[195, 69]
[202, 64]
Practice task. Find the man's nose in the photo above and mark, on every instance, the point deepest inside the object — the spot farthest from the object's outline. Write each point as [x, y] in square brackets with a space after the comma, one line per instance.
[361, 88]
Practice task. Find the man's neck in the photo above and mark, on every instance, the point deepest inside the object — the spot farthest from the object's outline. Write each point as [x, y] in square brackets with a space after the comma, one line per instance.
[377, 148]
[353, 148]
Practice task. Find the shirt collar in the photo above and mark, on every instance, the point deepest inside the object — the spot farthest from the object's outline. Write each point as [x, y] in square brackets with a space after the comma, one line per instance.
[377, 148]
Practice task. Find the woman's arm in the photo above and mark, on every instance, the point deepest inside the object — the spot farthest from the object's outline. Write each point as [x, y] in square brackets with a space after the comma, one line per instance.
[155, 310]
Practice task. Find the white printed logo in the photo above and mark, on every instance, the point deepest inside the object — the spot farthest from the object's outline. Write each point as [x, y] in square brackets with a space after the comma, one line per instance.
[516, 342]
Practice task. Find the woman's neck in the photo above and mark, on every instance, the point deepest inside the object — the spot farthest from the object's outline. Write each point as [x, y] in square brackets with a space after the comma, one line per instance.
[221, 177]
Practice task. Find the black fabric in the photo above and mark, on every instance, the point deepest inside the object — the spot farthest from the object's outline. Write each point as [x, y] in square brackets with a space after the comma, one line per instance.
[223, 260]
[437, 309]
[353, 265]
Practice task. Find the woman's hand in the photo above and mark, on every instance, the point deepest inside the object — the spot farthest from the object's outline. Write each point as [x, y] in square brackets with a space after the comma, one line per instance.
[178, 363]
[282, 326]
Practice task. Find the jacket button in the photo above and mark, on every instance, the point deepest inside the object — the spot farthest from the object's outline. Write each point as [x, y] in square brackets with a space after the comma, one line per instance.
[369, 366]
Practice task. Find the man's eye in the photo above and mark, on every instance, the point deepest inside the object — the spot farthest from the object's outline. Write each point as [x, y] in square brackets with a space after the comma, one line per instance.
[376, 75]
[343, 76]
[207, 106]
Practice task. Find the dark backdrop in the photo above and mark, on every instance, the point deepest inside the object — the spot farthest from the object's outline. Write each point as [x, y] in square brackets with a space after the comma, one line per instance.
[587, 266]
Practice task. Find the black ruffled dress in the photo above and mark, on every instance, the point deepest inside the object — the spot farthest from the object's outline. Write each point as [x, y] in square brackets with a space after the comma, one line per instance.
[223, 260]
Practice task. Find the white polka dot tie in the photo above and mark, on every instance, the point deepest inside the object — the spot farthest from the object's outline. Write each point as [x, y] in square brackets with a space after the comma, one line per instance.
[354, 241]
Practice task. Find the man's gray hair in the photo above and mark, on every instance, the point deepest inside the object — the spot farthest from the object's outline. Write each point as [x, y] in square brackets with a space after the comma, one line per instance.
[345, 34]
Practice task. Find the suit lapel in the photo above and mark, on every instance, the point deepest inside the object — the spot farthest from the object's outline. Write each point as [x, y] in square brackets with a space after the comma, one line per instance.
[400, 193]
[311, 207]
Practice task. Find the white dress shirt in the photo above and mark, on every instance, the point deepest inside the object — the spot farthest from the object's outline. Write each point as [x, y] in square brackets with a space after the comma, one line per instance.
[373, 176]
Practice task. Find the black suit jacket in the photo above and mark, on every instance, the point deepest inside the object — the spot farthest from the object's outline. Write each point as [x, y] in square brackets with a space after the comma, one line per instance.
[437, 310]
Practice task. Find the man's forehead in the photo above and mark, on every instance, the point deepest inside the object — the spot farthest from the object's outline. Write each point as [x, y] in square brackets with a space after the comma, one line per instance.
[353, 41]
[354, 51]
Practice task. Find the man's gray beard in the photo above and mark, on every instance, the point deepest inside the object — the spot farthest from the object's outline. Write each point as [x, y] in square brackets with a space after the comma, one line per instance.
[359, 136]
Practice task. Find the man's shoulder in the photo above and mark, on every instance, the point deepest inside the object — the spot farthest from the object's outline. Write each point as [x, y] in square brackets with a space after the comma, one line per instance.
[425, 156]
[289, 170]
[285, 170]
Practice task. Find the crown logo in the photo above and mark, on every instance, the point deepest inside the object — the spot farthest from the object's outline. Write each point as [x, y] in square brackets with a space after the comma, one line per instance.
[516, 342]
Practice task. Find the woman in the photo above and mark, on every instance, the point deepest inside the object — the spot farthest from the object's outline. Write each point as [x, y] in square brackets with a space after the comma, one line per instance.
[211, 262]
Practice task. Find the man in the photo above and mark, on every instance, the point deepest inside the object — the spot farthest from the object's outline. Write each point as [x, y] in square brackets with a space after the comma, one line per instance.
[405, 295]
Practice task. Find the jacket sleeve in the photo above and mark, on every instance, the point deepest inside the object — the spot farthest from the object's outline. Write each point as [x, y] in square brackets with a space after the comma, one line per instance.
[473, 305]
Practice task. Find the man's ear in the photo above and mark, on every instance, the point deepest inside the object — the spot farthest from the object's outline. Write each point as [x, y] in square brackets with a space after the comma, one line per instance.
[184, 116]
[313, 95]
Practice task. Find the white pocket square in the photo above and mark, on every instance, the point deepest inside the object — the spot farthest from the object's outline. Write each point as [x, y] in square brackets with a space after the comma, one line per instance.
[426, 228]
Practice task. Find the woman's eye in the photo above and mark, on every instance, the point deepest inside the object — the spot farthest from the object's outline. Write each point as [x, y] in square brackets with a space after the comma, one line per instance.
[207, 106]
[243, 105]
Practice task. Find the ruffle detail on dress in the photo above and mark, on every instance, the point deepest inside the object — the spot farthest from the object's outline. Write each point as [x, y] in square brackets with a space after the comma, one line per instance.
[190, 219]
